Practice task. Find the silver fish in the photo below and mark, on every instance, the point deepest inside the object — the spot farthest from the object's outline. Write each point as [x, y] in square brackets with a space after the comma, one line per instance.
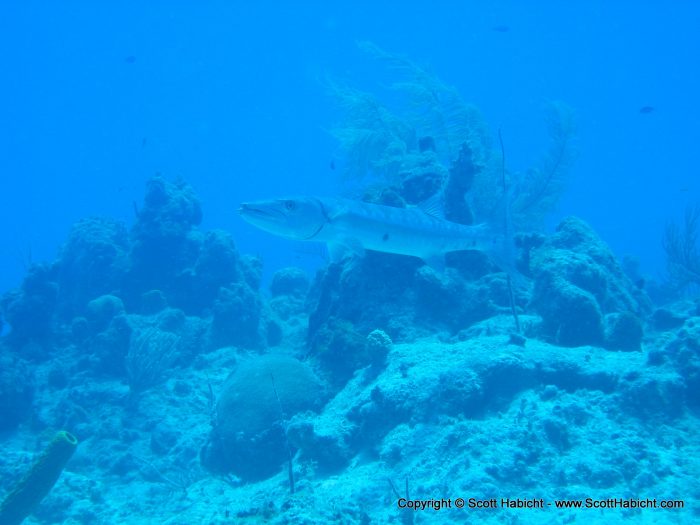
[346, 225]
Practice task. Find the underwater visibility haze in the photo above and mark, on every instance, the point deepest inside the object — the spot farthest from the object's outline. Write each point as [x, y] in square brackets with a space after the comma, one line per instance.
[300, 263]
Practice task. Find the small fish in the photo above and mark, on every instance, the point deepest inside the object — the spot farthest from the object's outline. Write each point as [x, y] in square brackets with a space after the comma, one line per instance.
[646, 109]
[501, 29]
[332, 164]
[130, 59]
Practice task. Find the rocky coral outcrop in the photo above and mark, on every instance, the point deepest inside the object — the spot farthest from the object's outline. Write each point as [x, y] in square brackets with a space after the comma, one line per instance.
[31, 310]
[426, 381]
[165, 241]
[93, 262]
[16, 391]
[577, 282]
[403, 296]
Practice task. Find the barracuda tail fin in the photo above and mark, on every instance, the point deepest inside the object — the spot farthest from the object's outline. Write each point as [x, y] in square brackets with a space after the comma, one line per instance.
[499, 225]
[504, 254]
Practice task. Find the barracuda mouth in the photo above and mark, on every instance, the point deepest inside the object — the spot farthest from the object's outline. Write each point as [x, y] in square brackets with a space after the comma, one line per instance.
[252, 210]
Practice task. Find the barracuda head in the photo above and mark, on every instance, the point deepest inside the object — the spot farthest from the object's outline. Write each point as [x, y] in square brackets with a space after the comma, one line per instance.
[299, 218]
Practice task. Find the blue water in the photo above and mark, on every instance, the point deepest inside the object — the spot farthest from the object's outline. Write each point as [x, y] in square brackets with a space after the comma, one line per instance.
[233, 99]
[228, 94]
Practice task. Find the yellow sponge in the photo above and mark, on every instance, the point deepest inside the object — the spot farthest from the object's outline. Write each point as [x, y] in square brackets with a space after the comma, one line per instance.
[37, 483]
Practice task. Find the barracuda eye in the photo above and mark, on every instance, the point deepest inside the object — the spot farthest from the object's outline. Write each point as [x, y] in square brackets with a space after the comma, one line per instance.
[290, 205]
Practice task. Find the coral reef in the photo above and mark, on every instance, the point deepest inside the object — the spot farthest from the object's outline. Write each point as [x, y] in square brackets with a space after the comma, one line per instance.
[218, 265]
[682, 351]
[92, 262]
[409, 152]
[403, 297]
[105, 350]
[623, 331]
[165, 261]
[577, 282]
[165, 240]
[547, 392]
[434, 142]
[16, 391]
[102, 310]
[410, 373]
[248, 437]
[290, 282]
[201, 396]
[151, 352]
[341, 350]
[236, 317]
[30, 311]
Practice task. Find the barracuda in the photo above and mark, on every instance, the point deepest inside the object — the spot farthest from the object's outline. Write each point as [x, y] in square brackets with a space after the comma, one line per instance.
[356, 226]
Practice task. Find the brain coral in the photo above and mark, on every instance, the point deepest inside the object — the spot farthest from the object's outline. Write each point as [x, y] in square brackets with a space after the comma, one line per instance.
[248, 437]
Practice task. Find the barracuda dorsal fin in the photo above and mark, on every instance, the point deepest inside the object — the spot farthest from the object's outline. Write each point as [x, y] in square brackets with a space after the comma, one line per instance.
[434, 205]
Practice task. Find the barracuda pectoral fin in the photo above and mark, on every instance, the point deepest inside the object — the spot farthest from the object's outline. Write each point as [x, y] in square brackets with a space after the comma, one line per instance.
[345, 248]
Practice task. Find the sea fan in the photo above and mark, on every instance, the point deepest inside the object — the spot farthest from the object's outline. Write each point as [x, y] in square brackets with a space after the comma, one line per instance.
[151, 352]
[386, 144]
[374, 140]
[539, 191]
[682, 247]
[433, 108]
[420, 143]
